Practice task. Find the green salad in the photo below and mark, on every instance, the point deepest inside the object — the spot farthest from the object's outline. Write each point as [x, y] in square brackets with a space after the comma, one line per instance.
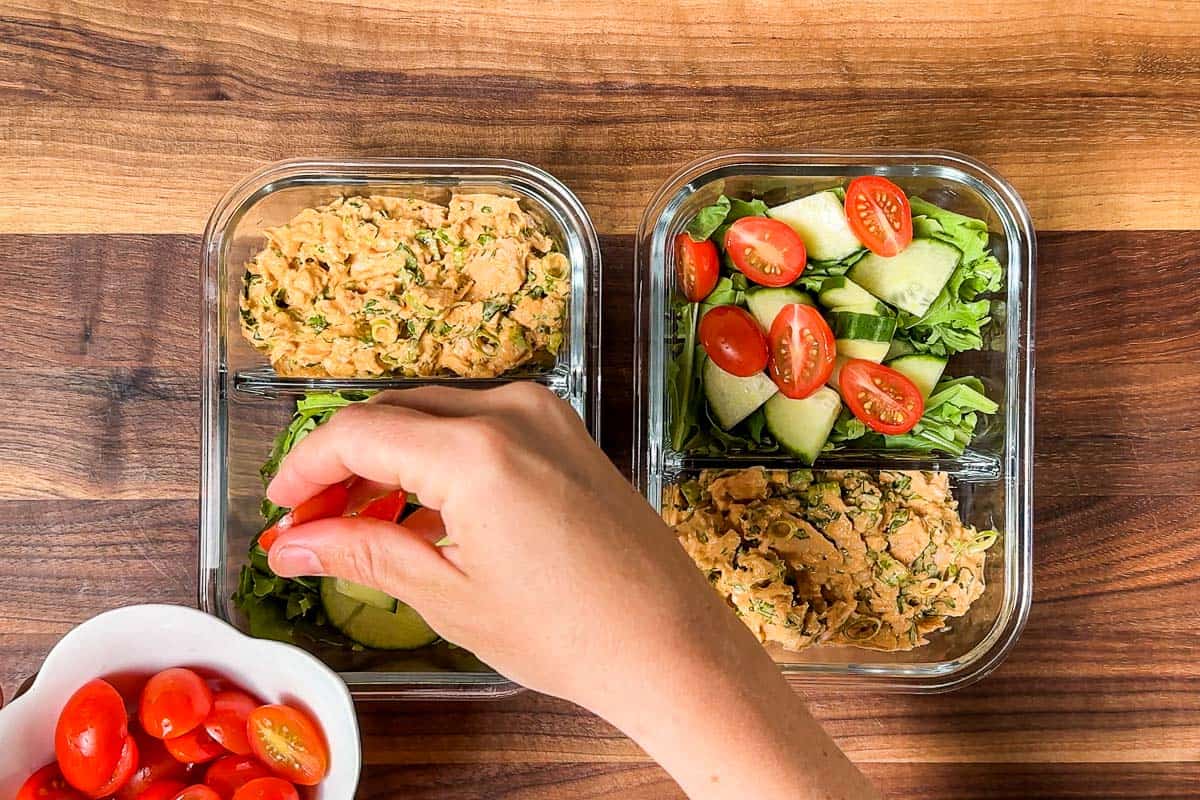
[827, 322]
[325, 610]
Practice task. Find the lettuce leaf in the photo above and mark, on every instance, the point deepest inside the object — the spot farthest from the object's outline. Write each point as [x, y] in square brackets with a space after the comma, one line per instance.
[708, 219]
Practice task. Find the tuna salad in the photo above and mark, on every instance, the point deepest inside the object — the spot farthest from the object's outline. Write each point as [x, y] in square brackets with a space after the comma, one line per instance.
[367, 286]
[874, 560]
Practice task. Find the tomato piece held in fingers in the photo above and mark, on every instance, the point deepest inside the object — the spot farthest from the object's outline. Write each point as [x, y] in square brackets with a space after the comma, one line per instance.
[162, 790]
[733, 340]
[885, 400]
[197, 791]
[879, 214]
[155, 765]
[802, 350]
[697, 266]
[290, 743]
[766, 250]
[226, 723]
[174, 702]
[194, 747]
[387, 507]
[427, 523]
[231, 773]
[267, 789]
[91, 740]
[48, 783]
[329, 502]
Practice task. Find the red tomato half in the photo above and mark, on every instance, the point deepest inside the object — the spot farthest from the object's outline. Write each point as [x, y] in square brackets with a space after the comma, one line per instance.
[228, 774]
[197, 791]
[290, 743]
[162, 790]
[194, 747]
[174, 702]
[697, 266]
[387, 507]
[48, 783]
[331, 502]
[879, 214]
[768, 251]
[427, 523]
[226, 724]
[802, 350]
[733, 340]
[155, 765]
[267, 789]
[880, 396]
[92, 741]
[123, 772]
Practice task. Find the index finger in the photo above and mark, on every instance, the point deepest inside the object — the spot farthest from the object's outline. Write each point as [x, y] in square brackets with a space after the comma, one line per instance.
[389, 444]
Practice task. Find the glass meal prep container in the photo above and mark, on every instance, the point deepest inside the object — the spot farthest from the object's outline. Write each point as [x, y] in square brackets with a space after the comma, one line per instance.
[992, 481]
[245, 404]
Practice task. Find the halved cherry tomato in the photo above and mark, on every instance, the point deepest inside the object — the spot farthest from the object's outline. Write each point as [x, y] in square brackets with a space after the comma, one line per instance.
[331, 502]
[162, 790]
[427, 523]
[226, 723]
[802, 350]
[123, 772]
[880, 396]
[733, 340]
[768, 251]
[387, 507]
[92, 741]
[197, 791]
[879, 214]
[290, 743]
[228, 774]
[48, 783]
[267, 789]
[174, 702]
[155, 765]
[194, 747]
[697, 266]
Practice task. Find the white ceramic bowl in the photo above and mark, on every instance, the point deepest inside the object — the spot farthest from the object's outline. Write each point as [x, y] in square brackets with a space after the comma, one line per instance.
[148, 638]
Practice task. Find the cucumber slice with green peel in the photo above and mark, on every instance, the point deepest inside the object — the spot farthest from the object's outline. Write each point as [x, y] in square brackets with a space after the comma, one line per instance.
[841, 292]
[802, 426]
[730, 398]
[365, 594]
[765, 303]
[402, 629]
[910, 280]
[922, 369]
[820, 219]
[834, 377]
[868, 327]
[862, 348]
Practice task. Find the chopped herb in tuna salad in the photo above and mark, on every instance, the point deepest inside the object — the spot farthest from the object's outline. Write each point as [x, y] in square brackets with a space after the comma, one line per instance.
[874, 560]
[367, 286]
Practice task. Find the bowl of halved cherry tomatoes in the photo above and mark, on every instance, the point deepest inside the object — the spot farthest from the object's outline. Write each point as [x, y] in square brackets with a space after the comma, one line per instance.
[163, 702]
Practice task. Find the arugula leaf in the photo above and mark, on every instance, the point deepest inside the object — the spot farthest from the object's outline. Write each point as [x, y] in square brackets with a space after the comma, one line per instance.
[683, 379]
[730, 290]
[847, 428]
[708, 219]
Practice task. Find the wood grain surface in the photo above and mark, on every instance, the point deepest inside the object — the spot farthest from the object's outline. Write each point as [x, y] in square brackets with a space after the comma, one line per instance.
[121, 124]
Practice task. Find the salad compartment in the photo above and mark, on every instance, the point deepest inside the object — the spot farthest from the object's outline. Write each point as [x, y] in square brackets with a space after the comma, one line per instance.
[245, 404]
[992, 479]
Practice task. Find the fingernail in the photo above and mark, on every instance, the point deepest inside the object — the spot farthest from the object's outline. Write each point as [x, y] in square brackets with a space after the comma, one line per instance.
[291, 561]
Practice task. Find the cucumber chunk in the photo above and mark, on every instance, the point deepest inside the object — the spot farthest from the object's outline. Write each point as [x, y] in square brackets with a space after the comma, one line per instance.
[862, 348]
[922, 369]
[765, 303]
[839, 292]
[910, 280]
[802, 426]
[820, 219]
[402, 629]
[731, 398]
[868, 327]
[365, 594]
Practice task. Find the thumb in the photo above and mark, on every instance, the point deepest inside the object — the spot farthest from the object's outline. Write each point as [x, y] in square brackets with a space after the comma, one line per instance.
[376, 553]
